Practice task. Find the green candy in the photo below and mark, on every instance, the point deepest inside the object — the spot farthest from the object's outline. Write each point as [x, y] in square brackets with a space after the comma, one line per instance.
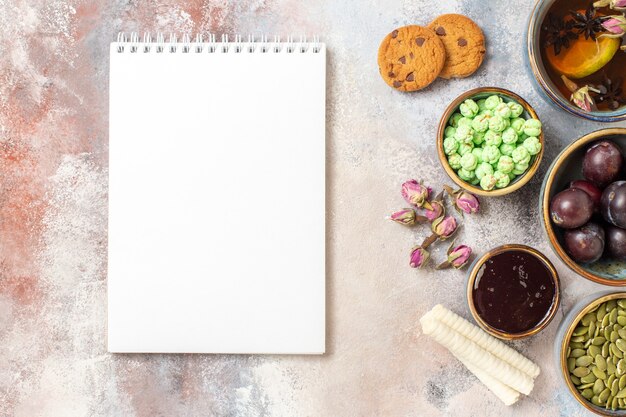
[532, 127]
[465, 148]
[492, 102]
[469, 108]
[479, 137]
[449, 132]
[522, 137]
[478, 153]
[532, 145]
[454, 119]
[481, 104]
[455, 161]
[519, 169]
[491, 154]
[502, 179]
[497, 123]
[474, 181]
[465, 175]
[509, 135]
[505, 164]
[483, 169]
[486, 112]
[503, 110]
[488, 182]
[516, 109]
[507, 148]
[464, 134]
[493, 138]
[464, 121]
[481, 123]
[450, 146]
[520, 155]
[469, 161]
[512, 176]
[518, 125]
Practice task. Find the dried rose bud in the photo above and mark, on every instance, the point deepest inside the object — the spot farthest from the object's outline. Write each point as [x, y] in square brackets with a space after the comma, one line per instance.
[580, 95]
[438, 210]
[457, 257]
[613, 4]
[615, 25]
[444, 227]
[407, 217]
[464, 201]
[419, 257]
[417, 194]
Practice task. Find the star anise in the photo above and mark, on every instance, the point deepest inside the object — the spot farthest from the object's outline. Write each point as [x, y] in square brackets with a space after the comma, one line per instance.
[559, 33]
[588, 24]
[611, 92]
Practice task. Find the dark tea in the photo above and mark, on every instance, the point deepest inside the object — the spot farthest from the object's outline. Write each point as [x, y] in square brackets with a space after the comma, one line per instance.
[583, 50]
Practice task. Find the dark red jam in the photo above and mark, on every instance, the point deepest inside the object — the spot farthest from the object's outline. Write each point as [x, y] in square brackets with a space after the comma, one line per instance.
[513, 291]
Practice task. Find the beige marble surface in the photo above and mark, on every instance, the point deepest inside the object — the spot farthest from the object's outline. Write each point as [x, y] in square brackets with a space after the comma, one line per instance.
[53, 196]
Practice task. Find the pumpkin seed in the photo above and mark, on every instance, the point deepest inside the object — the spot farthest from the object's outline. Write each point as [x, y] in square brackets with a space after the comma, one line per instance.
[613, 316]
[614, 403]
[598, 341]
[584, 360]
[622, 382]
[621, 366]
[604, 395]
[600, 362]
[621, 320]
[600, 314]
[578, 338]
[609, 400]
[610, 305]
[616, 351]
[595, 400]
[584, 386]
[598, 373]
[588, 318]
[576, 345]
[576, 380]
[615, 387]
[592, 351]
[606, 321]
[622, 333]
[605, 350]
[598, 386]
[621, 302]
[607, 332]
[614, 336]
[621, 344]
[581, 330]
[587, 343]
[587, 393]
[592, 329]
[621, 312]
[580, 372]
[577, 353]
[621, 394]
[610, 367]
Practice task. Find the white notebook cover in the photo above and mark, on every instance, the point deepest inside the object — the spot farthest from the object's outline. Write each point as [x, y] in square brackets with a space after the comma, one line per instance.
[216, 200]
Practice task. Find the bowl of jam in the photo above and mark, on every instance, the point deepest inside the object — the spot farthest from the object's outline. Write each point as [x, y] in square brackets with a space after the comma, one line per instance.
[576, 60]
[513, 291]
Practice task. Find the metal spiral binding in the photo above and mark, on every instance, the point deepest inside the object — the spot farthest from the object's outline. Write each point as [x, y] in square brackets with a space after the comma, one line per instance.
[200, 44]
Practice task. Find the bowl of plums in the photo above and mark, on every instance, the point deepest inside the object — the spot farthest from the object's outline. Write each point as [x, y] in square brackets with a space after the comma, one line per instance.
[583, 206]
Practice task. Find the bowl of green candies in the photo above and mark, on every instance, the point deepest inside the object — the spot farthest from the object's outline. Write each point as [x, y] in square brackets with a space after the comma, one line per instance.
[490, 141]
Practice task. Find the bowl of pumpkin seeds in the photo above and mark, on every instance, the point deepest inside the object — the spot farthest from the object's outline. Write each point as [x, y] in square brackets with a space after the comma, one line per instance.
[591, 352]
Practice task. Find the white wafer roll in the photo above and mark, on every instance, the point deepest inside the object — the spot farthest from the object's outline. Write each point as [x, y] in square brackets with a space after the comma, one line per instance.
[505, 393]
[484, 340]
[470, 352]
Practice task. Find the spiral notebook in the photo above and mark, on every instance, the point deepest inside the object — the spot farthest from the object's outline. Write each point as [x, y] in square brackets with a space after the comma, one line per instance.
[216, 195]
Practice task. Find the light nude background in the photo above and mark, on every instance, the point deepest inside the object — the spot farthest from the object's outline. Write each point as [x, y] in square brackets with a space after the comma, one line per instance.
[53, 200]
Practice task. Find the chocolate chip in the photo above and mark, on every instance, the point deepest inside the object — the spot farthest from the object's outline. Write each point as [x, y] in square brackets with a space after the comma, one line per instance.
[397, 84]
[420, 41]
[402, 60]
[394, 34]
[440, 31]
[391, 74]
[410, 77]
[462, 42]
[411, 55]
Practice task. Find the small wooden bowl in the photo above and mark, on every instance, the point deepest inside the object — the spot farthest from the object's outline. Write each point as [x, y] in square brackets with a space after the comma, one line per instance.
[477, 94]
[562, 339]
[566, 167]
[473, 274]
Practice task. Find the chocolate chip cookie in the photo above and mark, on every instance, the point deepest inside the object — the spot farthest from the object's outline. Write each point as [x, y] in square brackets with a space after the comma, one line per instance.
[410, 58]
[464, 42]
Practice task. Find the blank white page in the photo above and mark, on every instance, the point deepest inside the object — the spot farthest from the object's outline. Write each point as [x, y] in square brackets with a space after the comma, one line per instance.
[216, 200]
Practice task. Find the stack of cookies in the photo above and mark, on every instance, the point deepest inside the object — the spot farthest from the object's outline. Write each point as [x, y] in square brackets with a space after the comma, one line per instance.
[412, 57]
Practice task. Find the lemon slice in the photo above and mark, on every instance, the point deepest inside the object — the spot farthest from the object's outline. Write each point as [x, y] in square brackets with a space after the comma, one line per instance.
[584, 56]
